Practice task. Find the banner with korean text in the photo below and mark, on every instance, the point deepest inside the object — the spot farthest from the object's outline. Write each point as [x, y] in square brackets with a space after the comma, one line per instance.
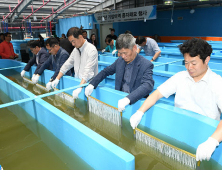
[123, 15]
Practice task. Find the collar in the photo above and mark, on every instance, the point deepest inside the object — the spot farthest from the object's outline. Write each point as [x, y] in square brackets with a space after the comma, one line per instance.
[146, 41]
[59, 51]
[83, 46]
[39, 51]
[7, 42]
[205, 78]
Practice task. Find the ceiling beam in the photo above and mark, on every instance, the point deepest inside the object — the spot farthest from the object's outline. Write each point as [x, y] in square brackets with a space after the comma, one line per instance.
[62, 9]
[104, 4]
[19, 10]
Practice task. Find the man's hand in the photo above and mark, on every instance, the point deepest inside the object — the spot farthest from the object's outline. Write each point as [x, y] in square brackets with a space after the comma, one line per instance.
[75, 93]
[89, 89]
[205, 150]
[136, 118]
[123, 103]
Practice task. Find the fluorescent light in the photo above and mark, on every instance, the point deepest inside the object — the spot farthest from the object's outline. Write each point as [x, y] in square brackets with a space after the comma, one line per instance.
[168, 2]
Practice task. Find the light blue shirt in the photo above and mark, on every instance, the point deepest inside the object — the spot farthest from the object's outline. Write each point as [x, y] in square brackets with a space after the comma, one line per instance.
[151, 47]
[108, 48]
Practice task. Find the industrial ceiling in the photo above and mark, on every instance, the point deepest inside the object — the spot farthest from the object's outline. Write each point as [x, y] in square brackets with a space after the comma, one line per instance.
[13, 11]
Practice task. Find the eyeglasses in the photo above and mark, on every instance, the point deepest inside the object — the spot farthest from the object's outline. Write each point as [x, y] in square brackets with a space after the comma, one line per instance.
[51, 48]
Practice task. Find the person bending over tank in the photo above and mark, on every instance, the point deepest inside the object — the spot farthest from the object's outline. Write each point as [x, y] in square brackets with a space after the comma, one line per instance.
[133, 73]
[84, 59]
[149, 46]
[111, 45]
[40, 56]
[197, 89]
[56, 59]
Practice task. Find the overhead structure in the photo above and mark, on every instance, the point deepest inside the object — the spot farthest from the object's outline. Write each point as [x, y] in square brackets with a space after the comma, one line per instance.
[21, 7]
[40, 10]
[61, 9]
[36, 10]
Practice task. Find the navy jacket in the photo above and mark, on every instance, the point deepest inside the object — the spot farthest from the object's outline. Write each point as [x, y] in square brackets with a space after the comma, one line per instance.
[141, 83]
[57, 61]
[42, 56]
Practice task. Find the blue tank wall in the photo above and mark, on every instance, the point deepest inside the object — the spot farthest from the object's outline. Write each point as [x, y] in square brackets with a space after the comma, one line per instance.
[83, 141]
[184, 126]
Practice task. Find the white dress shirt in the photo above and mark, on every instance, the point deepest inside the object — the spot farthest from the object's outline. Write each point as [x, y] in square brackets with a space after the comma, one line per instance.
[85, 64]
[203, 97]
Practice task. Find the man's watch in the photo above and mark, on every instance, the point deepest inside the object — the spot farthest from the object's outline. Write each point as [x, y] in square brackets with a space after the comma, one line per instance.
[152, 59]
[51, 80]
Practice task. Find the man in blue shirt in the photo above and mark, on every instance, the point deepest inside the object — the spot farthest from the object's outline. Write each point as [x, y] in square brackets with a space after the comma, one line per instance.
[134, 73]
[57, 58]
[149, 46]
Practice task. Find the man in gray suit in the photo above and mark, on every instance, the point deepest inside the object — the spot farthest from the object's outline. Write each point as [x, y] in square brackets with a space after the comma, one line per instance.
[133, 73]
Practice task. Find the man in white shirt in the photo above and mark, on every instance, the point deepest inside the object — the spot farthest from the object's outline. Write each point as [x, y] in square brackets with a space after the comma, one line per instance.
[149, 46]
[84, 59]
[198, 89]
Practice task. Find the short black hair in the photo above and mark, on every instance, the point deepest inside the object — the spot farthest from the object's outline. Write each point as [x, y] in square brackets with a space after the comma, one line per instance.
[128, 32]
[108, 39]
[140, 40]
[7, 33]
[34, 43]
[75, 32]
[112, 29]
[51, 42]
[195, 47]
[84, 31]
[1, 34]
[29, 42]
[64, 35]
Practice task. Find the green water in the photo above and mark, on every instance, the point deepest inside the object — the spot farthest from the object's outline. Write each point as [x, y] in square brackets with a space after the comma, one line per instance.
[145, 159]
[27, 145]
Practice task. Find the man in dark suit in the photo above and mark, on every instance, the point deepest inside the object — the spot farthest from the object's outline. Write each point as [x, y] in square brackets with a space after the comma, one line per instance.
[57, 58]
[40, 56]
[133, 73]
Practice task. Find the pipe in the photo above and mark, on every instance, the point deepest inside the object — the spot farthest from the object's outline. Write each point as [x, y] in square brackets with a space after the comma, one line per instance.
[92, 12]
[42, 95]
[34, 27]
[50, 26]
[58, 10]
[13, 10]
[36, 10]
[18, 23]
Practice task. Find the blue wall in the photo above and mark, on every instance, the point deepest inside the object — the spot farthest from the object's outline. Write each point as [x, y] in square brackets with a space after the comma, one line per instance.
[63, 25]
[203, 22]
